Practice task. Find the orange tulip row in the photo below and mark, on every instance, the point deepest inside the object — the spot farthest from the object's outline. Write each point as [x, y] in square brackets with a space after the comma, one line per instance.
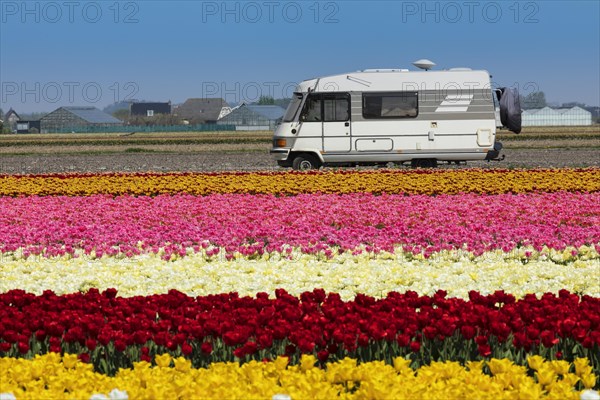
[428, 182]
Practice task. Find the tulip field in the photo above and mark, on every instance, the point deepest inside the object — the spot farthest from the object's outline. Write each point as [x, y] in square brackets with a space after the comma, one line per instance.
[403, 284]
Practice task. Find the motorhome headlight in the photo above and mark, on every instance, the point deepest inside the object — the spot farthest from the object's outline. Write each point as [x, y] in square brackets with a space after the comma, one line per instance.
[280, 143]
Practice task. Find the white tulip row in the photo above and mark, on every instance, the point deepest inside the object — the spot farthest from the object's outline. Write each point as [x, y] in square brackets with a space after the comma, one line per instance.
[375, 275]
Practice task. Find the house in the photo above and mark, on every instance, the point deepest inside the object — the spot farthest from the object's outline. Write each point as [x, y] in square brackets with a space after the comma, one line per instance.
[253, 117]
[202, 111]
[10, 120]
[148, 109]
[556, 117]
[29, 126]
[74, 119]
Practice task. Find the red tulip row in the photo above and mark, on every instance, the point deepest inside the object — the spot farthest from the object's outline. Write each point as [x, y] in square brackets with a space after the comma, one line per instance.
[103, 327]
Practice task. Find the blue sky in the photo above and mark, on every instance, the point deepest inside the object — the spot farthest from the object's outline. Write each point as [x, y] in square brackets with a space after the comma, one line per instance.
[57, 53]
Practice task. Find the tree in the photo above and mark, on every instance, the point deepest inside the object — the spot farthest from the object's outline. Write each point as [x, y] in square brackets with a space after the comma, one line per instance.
[122, 114]
[266, 101]
[283, 103]
[34, 116]
[119, 105]
[533, 100]
[572, 104]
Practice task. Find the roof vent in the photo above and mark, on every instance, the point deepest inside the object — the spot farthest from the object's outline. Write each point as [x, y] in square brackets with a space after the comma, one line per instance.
[424, 64]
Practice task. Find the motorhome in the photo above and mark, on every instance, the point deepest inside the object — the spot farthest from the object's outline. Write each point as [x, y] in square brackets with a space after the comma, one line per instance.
[378, 116]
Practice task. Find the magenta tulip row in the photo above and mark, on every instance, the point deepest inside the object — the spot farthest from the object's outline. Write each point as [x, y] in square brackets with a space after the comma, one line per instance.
[313, 222]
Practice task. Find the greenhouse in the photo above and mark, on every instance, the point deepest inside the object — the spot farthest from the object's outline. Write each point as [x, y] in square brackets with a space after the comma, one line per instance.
[252, 117]
[575, 116]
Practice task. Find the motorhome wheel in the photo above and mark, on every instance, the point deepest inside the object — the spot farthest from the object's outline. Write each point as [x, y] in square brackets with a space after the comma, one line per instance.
[423, 163]
[305, 162]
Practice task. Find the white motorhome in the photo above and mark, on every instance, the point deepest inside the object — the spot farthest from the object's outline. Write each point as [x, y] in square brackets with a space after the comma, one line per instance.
[394, 115]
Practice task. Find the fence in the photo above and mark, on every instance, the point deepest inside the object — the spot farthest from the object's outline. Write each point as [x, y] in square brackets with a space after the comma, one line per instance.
[131, 129]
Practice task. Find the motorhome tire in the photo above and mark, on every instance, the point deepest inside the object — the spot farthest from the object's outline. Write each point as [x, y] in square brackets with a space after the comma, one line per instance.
[423, 163]
[284, 164]
[305, 162]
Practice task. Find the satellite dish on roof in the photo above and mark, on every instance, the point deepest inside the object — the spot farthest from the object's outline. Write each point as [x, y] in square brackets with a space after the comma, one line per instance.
[424, 64]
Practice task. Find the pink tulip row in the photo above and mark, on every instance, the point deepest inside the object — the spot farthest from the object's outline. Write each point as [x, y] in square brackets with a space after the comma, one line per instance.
[312, 222]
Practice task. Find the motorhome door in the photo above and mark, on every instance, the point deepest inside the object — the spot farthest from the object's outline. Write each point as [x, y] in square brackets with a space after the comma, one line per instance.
[336, 122]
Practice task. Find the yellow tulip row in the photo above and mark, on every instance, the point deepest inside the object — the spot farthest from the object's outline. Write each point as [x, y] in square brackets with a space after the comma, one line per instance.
[53, 377]
[290, 183]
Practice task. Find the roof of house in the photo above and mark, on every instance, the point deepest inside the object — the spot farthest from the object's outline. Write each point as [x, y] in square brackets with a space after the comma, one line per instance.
[93, 115]
[207, 109]
[271, 112]
[11, 111]
[150, 102]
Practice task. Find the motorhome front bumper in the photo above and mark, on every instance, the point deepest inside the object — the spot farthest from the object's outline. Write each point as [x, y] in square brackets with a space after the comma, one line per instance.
[280, 154]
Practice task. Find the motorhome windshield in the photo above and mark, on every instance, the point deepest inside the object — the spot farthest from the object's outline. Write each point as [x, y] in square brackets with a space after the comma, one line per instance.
[292, 109]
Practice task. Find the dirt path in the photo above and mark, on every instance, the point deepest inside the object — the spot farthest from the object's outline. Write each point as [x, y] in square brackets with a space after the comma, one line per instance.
[137, 162]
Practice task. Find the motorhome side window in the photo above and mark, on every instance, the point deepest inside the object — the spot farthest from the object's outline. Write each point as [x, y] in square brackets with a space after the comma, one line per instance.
[336, 107]
[312, 109]
[390, 105]
[326, 107]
